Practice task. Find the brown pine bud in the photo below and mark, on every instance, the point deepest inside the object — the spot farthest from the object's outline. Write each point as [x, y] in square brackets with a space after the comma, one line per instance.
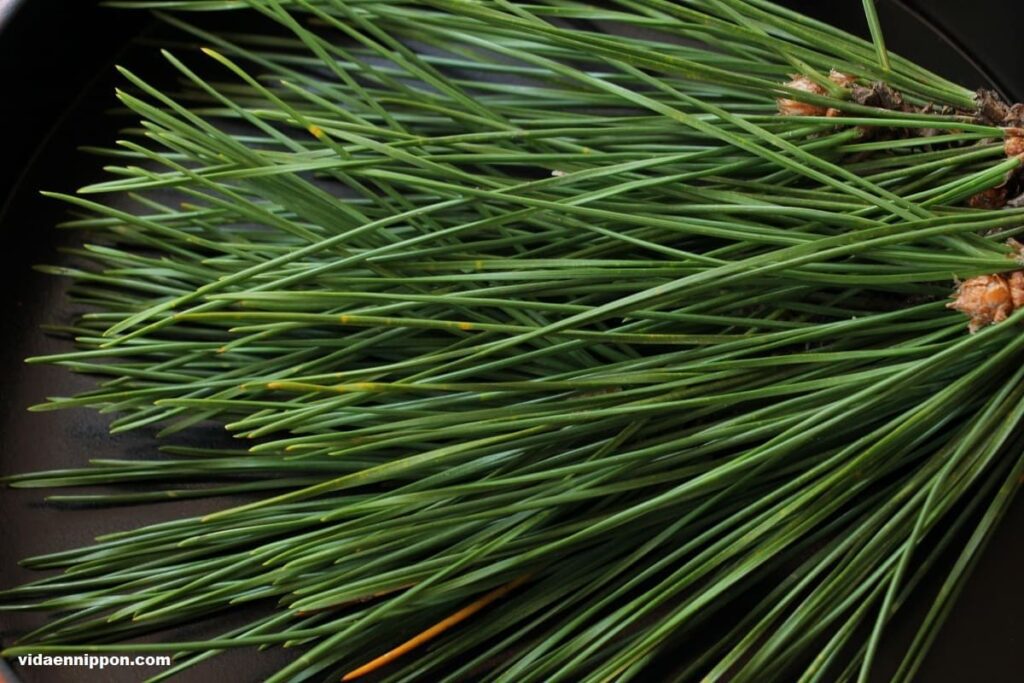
[992, 198]
[989, 299]
[839, 78]
[788, 107]
[791, 107]
[1013, 142]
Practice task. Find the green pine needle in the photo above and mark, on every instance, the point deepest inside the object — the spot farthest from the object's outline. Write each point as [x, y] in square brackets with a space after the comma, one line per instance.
[545, 338]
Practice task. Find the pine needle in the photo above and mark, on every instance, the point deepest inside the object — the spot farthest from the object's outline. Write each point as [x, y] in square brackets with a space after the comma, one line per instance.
[437, 629]
[650, 294]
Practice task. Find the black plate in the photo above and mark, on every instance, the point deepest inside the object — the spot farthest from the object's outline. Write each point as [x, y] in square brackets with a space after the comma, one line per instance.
[55, 84]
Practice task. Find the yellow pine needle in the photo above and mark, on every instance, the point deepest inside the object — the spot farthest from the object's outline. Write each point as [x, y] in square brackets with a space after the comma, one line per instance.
[436, 630]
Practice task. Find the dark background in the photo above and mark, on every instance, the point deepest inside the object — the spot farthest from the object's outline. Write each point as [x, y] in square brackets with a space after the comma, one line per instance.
[55, 84]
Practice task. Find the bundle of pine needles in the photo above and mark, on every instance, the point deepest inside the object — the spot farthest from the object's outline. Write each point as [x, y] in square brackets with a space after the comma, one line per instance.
[548, 339]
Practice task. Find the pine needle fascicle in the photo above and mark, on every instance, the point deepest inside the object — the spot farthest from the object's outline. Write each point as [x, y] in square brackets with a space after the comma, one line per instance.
[548, 339]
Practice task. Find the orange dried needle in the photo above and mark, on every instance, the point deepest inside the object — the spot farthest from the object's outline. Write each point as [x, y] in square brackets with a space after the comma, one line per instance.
[436, 630]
